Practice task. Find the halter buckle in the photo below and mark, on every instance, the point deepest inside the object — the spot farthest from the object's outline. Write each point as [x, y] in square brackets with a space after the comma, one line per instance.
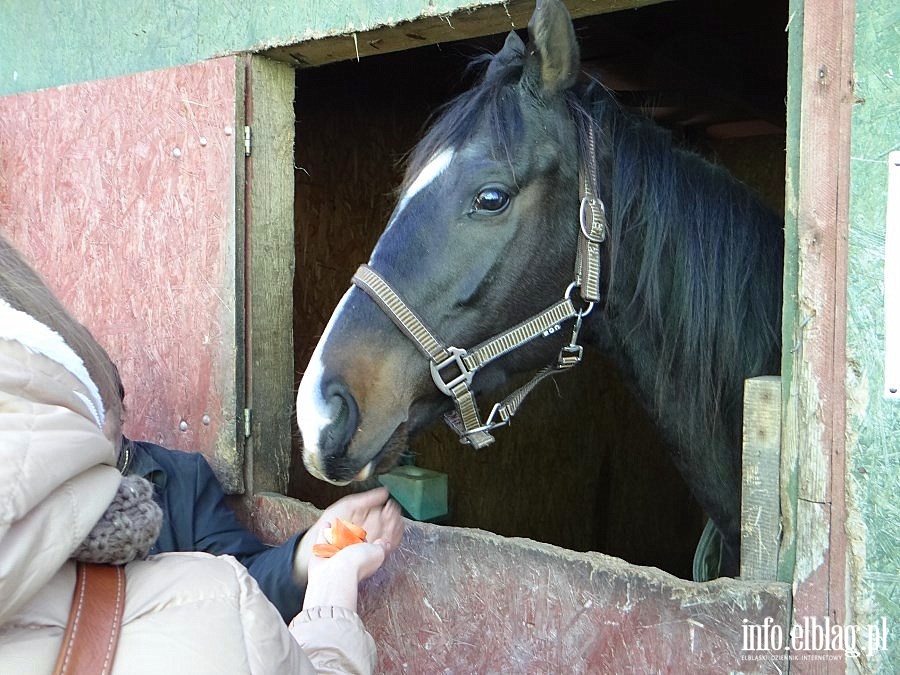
[592, 219]
[456, 356]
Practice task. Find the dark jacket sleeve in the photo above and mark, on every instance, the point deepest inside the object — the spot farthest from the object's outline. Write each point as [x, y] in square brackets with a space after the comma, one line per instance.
[217, 530]
[196, 517]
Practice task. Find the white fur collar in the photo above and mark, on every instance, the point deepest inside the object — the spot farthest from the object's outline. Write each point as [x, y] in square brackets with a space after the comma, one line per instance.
[40, 339]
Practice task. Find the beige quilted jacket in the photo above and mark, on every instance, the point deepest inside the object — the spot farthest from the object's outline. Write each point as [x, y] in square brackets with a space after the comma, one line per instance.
[184, 612]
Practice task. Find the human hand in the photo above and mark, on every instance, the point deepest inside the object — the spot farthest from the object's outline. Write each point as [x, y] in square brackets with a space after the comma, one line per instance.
[334, 581]
[373, 510]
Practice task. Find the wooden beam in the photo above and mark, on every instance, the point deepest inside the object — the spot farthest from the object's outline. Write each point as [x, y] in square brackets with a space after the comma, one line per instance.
[462, 24]
[760, 507]
[813, 556]
[268, 252]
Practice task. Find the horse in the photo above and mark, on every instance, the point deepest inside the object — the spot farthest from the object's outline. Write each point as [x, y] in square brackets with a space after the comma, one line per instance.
[537, 216]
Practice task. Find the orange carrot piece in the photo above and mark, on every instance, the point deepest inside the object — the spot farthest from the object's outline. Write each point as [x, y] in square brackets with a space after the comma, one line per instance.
[325, 550]
[341, 535]
[355, 530]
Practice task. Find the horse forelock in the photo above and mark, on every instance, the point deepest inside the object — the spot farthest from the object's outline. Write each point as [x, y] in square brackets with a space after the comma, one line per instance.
[494, 101]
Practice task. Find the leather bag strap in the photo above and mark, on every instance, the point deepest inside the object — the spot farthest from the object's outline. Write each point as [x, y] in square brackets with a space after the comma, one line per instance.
[89, 644]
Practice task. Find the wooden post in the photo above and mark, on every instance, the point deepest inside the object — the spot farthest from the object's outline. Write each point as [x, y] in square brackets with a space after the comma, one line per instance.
[814, 361]
[268, 272]
[760, 503]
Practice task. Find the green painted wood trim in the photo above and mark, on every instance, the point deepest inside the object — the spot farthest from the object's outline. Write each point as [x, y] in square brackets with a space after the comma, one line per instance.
[46, 43]
[269, 272]
[873, 422]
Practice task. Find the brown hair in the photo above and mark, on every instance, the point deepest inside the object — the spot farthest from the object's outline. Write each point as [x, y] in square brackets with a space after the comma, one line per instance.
[22, 288]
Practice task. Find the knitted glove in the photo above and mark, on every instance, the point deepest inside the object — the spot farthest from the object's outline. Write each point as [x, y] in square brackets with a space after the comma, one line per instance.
[127, 530]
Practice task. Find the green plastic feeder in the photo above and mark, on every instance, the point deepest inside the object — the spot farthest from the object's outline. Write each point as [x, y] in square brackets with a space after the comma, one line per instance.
[421, 492]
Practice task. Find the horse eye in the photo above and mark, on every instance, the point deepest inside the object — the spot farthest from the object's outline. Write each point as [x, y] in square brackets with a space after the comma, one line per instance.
[491, 200]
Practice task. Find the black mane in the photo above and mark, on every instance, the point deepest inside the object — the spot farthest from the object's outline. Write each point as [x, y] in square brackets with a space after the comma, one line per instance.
[492, 99]
[694, 261]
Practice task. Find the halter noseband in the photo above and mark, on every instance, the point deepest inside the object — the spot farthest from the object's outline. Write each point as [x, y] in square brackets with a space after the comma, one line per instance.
[456, 383]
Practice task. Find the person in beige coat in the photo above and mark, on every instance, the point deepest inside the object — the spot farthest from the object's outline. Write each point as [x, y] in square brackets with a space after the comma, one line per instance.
[61, 498]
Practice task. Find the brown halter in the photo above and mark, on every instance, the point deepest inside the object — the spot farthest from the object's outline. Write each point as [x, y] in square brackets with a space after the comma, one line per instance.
[465, 420]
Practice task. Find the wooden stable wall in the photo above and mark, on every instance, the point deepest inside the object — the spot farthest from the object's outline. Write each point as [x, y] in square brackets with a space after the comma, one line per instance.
[135, 199]
[45, 44]
[872, 463]
[454, 600]
[122, 194]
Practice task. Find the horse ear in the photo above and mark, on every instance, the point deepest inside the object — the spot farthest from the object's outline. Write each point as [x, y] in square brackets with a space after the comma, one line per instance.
[552, 56]
[512, 51]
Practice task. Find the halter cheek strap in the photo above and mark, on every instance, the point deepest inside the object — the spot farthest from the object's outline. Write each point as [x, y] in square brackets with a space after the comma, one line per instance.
[453, 368]
[592, 224]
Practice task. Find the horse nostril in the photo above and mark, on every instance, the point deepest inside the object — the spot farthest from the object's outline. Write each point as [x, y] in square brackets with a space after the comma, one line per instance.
[344, 415]
[343, 411]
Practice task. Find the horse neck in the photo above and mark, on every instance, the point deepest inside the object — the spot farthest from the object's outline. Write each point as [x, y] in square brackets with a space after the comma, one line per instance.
[693, 283]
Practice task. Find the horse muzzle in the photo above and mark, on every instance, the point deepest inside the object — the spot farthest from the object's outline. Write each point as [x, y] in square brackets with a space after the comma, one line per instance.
[352, 409]
[326, 456]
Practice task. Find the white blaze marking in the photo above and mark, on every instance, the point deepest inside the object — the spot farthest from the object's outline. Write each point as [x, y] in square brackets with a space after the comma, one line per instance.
[432, 170]
[312, 410]
[313, 413]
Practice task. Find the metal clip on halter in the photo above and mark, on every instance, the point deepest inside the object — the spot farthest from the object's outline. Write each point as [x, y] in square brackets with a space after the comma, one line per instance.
[571, 354]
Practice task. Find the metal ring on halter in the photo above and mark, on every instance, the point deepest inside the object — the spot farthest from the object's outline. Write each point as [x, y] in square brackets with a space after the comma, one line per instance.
[568, 296]
[596, 217]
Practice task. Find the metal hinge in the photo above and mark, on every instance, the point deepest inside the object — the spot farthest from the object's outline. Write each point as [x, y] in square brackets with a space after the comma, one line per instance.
[247, 413]
[247, 141]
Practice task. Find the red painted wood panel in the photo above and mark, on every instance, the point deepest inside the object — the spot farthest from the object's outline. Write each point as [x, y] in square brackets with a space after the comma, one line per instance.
[454, 600]
[820, 352]
[121, 193]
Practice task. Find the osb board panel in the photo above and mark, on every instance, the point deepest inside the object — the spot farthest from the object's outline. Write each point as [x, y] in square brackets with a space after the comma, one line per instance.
[598, 479]
[121, 193]
[451, 600]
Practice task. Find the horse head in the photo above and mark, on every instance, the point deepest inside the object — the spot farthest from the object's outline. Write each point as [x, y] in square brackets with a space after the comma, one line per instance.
[482, 237]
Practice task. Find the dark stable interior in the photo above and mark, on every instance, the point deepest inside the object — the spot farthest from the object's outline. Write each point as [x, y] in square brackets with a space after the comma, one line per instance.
[582, 466]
